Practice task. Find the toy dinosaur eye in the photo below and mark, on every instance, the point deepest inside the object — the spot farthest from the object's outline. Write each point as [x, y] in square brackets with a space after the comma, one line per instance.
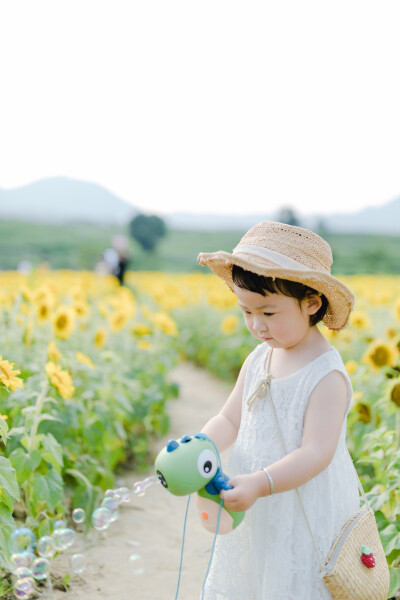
[207, 464]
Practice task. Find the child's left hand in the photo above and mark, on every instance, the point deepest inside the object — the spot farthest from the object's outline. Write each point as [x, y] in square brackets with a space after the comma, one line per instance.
[246, 490]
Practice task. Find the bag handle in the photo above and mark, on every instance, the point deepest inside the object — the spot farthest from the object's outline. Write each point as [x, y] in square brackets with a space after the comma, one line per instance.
[263, 385]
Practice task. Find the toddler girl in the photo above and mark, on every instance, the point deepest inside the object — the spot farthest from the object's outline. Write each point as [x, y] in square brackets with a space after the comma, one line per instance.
[281, 277]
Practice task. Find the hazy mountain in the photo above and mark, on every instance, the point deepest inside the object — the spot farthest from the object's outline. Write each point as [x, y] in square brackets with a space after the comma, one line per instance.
[382, 219]
[61, 199]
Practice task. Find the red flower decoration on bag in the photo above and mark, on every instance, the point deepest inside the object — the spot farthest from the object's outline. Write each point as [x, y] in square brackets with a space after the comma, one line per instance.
[367, 557]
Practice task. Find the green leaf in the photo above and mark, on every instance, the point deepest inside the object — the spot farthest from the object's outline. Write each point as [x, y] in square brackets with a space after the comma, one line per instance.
[53, 451]
[47, 488]
[3, 430]
[24, 463]
[394, 581]
[5, 499]
[8, 479]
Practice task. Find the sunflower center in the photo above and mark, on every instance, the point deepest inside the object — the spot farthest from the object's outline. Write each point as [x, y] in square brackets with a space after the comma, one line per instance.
[380, 356]
[62, 322]
[395, 394]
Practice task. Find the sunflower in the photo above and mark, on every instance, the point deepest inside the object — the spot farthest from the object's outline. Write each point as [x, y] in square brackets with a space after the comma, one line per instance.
[81, 307]
[100, 337]
[140, 329]
[61, 380]
[8, 376]
[53, 352]
[63, 322]
[118, 320]
[394, 391]
[351, 367]
[164, 322]
[43, 311]
[143, 345]
[359, 320]
[380, 354]
[229, 324]
[364, 412]
[85, 360]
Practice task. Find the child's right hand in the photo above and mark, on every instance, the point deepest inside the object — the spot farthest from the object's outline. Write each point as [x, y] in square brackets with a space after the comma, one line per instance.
[245, 491]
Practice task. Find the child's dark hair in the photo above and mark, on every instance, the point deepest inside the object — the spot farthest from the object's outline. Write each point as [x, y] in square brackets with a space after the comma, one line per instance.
[269, 285]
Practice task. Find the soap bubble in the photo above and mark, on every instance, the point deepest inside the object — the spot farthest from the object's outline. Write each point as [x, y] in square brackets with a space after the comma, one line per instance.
[78, 515]
[24, 587]
[139, 488]
[110, 503]
[21, 540]
[117, 496]
[22, 573]
[41, 568]
[101, 518]
[21, 559]
[137, 563]
[45, 547]
[124, 493]
[60, 524]
[77, 563]
[109, 493]
[63, 538]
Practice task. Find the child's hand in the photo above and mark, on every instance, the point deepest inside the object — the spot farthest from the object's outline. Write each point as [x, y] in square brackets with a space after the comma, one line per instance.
[246, 490]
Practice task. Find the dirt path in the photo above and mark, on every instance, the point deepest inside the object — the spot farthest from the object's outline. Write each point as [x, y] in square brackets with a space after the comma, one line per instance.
[138, 557]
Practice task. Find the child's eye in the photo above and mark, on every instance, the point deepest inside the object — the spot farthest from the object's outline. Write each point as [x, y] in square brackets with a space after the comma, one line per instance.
[268, 314]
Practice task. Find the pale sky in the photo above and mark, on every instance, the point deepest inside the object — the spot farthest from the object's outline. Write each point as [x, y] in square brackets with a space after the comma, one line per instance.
[206, 106]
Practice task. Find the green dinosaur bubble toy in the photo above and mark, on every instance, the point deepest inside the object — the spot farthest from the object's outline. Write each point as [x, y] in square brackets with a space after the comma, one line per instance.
[192, 464]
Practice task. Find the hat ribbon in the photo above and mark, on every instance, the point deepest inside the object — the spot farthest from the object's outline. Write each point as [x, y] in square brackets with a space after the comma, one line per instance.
[276, 257]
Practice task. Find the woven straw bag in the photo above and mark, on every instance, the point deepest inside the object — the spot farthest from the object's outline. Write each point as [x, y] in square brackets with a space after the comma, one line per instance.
[344, 573]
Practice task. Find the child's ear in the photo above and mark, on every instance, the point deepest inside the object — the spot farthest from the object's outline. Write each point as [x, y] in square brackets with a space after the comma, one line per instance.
[313, 303]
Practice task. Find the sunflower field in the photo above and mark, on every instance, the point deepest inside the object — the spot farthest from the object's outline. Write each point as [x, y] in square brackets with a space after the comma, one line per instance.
[83, 388]
[84, 383]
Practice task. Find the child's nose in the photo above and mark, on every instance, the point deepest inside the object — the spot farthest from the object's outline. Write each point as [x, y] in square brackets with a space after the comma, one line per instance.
[259, 323]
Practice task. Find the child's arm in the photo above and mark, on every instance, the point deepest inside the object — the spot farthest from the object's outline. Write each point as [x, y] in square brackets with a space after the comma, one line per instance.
[224, 427]
[326, 409]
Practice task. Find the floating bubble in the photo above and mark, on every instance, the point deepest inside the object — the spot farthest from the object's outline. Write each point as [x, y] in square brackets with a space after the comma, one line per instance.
[24, 587]
[125, 494]
[77, 563]
[139, 488]
[21, 540]
[41, 568]
[60, 524]
[137, 563]
[21, 559]
[63, 538]
[78, 515]
[101, 518]
[109, 493]
[22, 573]
[45, 547]
[110, 503]
[117, 497]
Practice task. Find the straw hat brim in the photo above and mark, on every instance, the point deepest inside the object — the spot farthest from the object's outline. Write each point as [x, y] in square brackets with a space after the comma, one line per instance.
[340, 298]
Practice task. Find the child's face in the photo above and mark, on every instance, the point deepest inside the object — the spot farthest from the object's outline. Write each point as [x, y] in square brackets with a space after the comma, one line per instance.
[276, 319]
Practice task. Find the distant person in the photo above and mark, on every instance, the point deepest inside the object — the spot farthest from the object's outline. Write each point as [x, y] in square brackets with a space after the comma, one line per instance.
[120, 245]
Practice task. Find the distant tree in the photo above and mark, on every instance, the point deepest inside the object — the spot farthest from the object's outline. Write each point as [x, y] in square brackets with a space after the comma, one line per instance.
[147, 230]
[287, 215]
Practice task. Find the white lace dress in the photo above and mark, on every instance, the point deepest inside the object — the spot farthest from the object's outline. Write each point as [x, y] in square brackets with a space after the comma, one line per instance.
[270, 556]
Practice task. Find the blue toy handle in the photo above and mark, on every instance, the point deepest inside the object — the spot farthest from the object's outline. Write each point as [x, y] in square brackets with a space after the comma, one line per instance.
[221, 482]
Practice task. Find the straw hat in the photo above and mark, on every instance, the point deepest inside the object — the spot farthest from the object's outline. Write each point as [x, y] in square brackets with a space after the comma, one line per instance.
[287, 252]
